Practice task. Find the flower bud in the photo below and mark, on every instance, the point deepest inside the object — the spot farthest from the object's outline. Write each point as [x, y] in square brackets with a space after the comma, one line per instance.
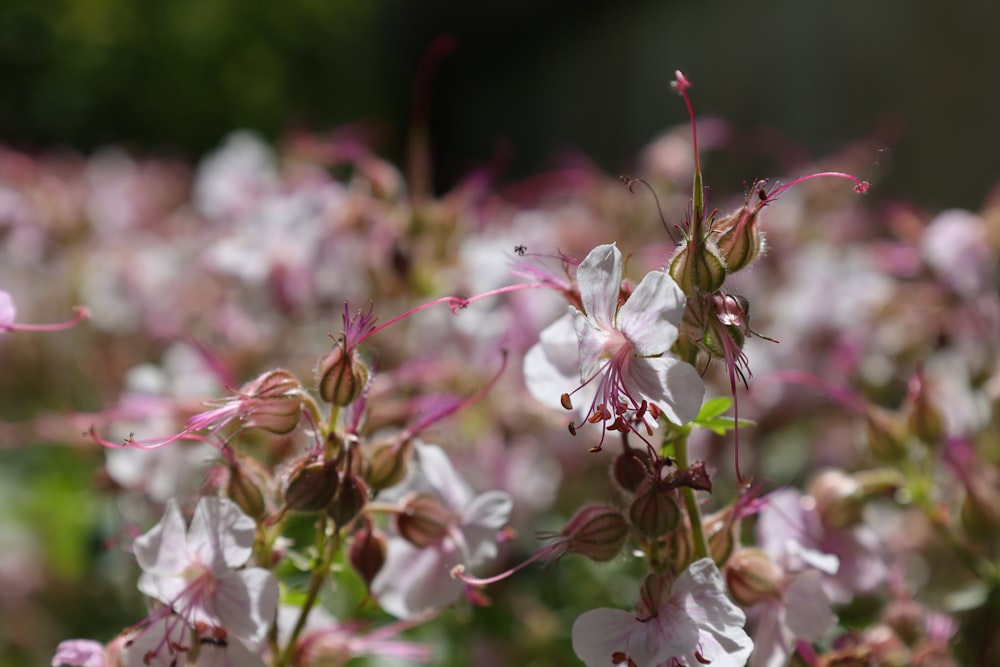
[311, 486]
[922, 416]
[886, 434]
[351, 498]
[978, 513]
[388, 464]
[341, 377]
[654, 511]
[752, 577]
[739, 238]
[597, 532]
[273, 402]
[424, 521]
[839, 498]
[697, 268]
[367, 553]
[245, 493]
[630, 468]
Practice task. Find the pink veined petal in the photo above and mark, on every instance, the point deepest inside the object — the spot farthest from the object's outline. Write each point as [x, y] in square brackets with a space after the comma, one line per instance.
[546, 380]
[702, 592]
[599, 278]
[672, 384]
[442, 477]
[221, 534]
[488, 510]
[600, 633]
[163, 643]
[166, 589]
[650, 317]
[163, 549]
[772, 640]
[7, 310]
[245, 603]
[79, 652]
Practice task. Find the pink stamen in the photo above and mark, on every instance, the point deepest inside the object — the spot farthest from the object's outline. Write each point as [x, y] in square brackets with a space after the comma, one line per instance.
[81, 314]
[860, 186]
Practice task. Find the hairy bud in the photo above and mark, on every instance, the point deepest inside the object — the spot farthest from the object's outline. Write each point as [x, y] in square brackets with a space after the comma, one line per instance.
[273, 402]
[341, 376]
[351, 498]
[752, 577]
[388, 464]
[367, 553]
[739, 238]
[311, 485]
[654, 511]
[697, 268]
[245, 493]
[424, 521]
[597, 532]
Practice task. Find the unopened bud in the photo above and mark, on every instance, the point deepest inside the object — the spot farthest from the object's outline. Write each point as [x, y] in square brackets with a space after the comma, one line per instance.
[654, 587]
[739, 238]
[424, 521]
[351, 498]
[630, 468]
[697, 268]
[922, 415]
[311, 486]
[273, 402]
[752, 577]
[886, 434]
[839, 498]
[597, 532]
[341, 377]
[367, 553]
[388, 464]
[979, 511]
[245, 493]
[654, 511]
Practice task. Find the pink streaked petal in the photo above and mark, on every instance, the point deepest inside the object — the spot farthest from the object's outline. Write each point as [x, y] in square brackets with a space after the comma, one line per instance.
[414, 580]
[163, 549]
[600, 633]
[599, 278]
[702, 592]
[772, 640]
[221, 534]
[233, 654]
[245, 603]
[650, 317]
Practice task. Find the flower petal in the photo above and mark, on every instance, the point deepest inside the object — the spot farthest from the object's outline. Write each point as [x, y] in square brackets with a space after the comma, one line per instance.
[650, 317]
[809, 614]
[163, 549]
[414, 580]
[245, 603]
[221, 534]
[672, 384]
[599, 278]
[601, 633]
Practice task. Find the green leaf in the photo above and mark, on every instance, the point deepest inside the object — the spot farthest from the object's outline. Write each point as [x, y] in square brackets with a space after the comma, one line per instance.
[713, 408]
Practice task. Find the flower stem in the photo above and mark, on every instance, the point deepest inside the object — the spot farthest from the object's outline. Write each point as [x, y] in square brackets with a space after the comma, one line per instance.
[690, 502]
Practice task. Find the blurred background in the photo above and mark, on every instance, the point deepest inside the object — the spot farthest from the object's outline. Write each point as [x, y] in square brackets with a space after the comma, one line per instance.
[525, 79]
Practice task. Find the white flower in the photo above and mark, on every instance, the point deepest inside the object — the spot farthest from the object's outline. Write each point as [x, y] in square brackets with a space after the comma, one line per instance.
[617, 354]
[192, 569]
[414, 578]
[695, 624]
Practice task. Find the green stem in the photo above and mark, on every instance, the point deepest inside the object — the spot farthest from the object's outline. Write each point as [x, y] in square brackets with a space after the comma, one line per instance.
[693, 510]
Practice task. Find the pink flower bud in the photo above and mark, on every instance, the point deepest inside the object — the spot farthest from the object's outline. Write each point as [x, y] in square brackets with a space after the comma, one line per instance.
[367, 553]
[752, 577]
[597, 532]
[923, 417]
[388, 464]
[886, 434]
[631, 468]
[245, 493]
[341, 376]
[838, 497]
[272, 402]
[424, 521]
[311, 486]
[738, 237]
[351, 498]
[654, 511]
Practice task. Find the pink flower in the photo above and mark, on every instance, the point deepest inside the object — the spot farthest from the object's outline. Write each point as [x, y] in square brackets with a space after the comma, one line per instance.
[81, 652]
[619, 351]
[417, 578]
[801, 613]
[693, 624]
[193, 570]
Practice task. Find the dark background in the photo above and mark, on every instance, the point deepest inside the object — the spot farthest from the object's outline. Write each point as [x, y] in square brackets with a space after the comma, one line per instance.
[526, 78]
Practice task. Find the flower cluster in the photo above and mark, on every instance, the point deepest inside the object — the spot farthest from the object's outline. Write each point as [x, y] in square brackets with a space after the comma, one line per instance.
[289, 506]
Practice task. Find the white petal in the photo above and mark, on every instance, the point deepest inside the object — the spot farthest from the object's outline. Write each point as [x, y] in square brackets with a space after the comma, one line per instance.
[599, 278]
[414, 580]
[488, 510]
[221, 534]
[163, 549]
[8, 312]
[233, 654]
[650, 316]
[772, 639]
[672, 384]
[809, 614]
[722, 638]
[600, 633]
[442, 477]
[592, 343]
[245, 603]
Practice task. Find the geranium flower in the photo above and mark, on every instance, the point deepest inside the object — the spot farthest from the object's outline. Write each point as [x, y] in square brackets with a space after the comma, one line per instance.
[193, 570]
[693, 624]
[465, 530]
[621, 350]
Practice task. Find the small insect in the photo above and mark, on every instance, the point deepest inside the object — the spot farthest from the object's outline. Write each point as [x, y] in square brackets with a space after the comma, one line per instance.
[521, 249]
